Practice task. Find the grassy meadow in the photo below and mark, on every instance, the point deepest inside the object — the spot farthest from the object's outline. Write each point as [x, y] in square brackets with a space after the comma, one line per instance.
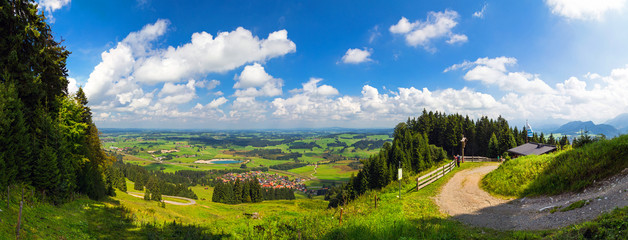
[567, 170]
[413, 216]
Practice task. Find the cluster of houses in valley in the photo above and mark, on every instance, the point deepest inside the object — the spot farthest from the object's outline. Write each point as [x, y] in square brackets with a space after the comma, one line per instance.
[267, 180]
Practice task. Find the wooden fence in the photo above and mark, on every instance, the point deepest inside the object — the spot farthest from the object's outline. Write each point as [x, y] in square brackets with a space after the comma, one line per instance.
[434, 175]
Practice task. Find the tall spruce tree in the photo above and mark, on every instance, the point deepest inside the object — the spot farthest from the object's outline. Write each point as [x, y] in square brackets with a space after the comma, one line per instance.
[493, 146]
[237, 191]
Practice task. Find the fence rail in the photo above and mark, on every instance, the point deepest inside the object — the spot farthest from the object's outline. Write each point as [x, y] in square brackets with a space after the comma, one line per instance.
[432, 176]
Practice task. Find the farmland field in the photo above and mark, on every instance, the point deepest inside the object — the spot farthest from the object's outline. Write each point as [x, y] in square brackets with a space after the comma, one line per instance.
[328, 157]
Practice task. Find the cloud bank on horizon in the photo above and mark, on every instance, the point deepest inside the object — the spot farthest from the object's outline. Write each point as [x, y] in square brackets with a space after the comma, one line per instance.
[140, 80]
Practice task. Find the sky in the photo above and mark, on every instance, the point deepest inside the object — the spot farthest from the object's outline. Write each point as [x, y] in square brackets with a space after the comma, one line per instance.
[357, 64]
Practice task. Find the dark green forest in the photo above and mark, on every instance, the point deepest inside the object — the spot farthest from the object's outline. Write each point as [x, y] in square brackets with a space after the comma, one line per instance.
[248, 191]
[47, 137]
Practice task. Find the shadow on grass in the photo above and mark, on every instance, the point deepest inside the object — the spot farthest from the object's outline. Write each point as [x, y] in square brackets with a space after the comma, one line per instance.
[116, 222]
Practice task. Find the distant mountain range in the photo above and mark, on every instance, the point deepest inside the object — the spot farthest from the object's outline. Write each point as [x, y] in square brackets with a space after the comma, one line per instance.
[620, 122]
[574, 128]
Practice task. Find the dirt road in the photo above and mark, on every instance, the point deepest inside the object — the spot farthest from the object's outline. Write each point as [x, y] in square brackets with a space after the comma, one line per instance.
[190, 201]
[463, 199]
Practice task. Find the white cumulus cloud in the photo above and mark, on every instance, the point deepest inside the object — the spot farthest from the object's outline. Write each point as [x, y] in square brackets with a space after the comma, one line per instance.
[526, 96]
[178, 93]
[134, 77]
[50, 6]
[355, 56]
[584, 9]
[493, 72]
[457, 38]
[255, 82]
[72, 86]
[206, 54]
[209, 85]
[437, 25]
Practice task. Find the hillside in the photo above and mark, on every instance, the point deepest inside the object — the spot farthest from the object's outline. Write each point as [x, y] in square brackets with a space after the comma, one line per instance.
[574, 128]
[620, 122]
[414, 216]
[569, 170]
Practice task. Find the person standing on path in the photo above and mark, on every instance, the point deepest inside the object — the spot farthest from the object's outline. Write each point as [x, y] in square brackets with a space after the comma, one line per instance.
[458, 160]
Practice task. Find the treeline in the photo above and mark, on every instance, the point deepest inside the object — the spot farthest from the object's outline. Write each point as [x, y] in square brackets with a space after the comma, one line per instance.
[243, 142]
[272, 154]
[288, 166]
[248, 191]
[303, 145]
[156, 182]
[409, 149]
[485, 137]
[47, 136]
[337, 143]
[368, 144]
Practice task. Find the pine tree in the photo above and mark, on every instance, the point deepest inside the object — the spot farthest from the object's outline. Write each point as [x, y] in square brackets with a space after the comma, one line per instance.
[45, 173]
[246, 191]
[507, 141]
[493, 146]
[217, 194]
[139, 185]
[551, 140]
[237, 191]
[15, 142]
[229, 194]
[256, 190]
[564, 141]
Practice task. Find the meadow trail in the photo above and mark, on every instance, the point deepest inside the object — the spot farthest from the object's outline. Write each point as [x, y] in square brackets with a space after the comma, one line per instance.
[464, 200]
[190, 201]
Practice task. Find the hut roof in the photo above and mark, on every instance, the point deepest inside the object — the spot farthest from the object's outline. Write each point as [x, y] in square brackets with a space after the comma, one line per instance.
[532, 148]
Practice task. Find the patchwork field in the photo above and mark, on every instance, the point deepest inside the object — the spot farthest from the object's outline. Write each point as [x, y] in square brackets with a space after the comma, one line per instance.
[329, 157]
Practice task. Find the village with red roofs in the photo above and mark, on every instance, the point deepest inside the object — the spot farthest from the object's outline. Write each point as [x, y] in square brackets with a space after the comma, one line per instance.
[267, 180]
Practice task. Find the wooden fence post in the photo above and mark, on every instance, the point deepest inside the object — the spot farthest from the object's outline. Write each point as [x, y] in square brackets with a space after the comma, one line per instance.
[19, 217]
[341, 209]
[376, 201]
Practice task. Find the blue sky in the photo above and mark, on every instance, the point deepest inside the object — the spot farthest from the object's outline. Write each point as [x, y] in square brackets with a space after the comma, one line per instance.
[289, 64]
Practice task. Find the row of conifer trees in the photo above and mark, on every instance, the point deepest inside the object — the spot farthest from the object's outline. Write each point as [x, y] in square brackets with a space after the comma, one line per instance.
[248, 191]
[47, 136]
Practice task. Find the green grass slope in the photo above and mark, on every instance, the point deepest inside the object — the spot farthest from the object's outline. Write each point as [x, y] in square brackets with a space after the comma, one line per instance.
[414, 216]
[551, 174]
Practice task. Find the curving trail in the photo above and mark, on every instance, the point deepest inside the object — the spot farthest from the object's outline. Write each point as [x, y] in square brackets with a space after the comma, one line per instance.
[464, 200]
[190, 201]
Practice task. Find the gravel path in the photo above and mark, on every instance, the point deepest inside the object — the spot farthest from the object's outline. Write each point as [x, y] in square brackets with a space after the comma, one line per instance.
[190, 201]
[463, 199]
